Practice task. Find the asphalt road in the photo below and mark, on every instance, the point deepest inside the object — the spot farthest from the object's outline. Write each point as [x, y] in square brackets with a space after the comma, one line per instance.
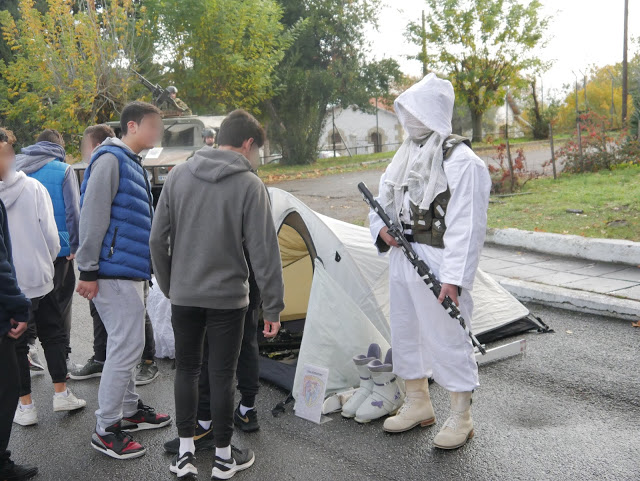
[567, 410]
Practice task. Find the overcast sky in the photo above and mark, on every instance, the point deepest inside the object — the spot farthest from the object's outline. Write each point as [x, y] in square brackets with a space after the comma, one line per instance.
[583, 33]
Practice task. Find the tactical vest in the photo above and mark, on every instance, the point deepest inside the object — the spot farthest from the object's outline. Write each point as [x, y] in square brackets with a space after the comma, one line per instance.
[428, 225]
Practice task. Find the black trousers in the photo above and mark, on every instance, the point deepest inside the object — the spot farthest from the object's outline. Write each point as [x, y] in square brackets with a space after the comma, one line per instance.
[225, 328]
[100, 334]
[45, 314]
[64, 285]
[9, 392]
[248, 371]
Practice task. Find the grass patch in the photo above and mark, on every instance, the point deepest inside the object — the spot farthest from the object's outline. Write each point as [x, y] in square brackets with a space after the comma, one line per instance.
[610, 201]
[277, 173]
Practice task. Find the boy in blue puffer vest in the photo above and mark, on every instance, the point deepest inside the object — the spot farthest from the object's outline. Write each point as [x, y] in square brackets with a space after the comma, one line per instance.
[45, 162]
[114, 262]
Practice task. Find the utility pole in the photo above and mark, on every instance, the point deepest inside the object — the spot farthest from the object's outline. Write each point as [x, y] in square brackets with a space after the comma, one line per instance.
[378, 140]
[584, 84]
[506, 134]
[578, 126]
[424, 46]
[625, 66]
[333, 136]
[553, 151]
[612, 109]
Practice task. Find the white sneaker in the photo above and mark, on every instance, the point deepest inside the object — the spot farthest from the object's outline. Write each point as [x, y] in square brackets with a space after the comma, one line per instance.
[184, 466]
[68, 403]
[35, 364]
[25, 417]
[72, 366]
[240, 460]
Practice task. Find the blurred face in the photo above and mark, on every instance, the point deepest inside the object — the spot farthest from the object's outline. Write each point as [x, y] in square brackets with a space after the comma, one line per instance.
[209, 141]
[7, 157]
[145, 135]
[252, 152]
[173, 95]
[86, 147]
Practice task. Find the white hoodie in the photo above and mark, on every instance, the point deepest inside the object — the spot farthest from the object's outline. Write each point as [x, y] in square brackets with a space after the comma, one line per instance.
[34, 235]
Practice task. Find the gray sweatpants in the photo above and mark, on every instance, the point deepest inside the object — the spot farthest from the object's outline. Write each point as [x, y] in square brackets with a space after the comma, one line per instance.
[120, 304]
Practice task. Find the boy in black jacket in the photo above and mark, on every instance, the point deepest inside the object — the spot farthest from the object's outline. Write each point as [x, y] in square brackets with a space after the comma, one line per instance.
[14, 314]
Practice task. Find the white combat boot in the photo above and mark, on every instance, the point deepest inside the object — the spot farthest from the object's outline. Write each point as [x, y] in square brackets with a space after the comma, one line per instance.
[366, 383]
[386, 396]
[416, 410]
[458, 428]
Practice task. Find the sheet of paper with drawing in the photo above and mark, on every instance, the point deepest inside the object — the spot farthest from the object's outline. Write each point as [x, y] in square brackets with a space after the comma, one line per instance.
[312, 392]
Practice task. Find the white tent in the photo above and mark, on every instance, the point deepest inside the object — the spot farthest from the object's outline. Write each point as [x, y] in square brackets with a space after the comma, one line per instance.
[336, 284]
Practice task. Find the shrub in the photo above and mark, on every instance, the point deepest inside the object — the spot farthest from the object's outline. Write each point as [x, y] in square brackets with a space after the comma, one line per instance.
[501, 176]
[600, 150]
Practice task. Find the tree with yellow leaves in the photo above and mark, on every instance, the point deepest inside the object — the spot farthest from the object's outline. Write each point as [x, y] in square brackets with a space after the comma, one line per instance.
[70, 65]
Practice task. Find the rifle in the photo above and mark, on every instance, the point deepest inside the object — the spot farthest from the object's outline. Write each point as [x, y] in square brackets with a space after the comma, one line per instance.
[159, 94]
[419, 265]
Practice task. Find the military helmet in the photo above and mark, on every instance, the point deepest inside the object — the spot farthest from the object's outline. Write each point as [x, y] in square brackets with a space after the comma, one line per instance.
[208, 133]
[172, 90]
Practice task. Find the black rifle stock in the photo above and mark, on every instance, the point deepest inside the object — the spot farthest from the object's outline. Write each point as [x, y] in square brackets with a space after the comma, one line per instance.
[419, 265]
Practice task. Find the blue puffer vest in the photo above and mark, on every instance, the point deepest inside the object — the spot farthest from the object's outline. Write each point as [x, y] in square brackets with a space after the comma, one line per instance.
[125, 247]
[52, 177]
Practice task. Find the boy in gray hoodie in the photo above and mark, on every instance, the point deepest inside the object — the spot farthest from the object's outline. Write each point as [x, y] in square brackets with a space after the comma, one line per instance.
[209, 210]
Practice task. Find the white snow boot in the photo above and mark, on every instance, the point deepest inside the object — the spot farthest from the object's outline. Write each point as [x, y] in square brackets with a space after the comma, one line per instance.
[386, 396]
[366, 383]
[458, 428]
[416, 410]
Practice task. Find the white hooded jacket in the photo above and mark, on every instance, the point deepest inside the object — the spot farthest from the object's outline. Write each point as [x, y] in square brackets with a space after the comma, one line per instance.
[34, 235]
[425, 110]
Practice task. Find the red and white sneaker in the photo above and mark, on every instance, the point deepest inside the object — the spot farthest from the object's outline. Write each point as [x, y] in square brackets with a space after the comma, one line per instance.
[145, 418]
[117, 444]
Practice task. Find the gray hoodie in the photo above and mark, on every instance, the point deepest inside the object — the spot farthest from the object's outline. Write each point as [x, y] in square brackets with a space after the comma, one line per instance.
[209, 207]
[32, 159]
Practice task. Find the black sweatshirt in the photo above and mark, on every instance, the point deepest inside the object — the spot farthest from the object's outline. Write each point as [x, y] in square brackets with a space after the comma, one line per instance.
[13, 303]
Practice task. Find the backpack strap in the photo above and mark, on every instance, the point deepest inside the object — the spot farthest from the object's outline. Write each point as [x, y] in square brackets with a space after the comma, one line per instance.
[451, 142]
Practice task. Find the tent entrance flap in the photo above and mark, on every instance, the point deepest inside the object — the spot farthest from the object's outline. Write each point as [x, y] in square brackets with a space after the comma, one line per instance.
[279, 356]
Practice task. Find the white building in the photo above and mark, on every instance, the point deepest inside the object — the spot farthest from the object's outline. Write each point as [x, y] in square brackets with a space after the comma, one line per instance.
[356, 132]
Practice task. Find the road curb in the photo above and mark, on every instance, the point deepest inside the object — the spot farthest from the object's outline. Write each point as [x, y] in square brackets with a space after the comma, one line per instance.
[572, 299]
[600, 250]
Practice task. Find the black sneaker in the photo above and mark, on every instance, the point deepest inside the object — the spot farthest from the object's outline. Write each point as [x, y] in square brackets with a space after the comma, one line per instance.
[247, 423]
[203, 440]
[146, 372]
[91, 369]
[145, 418]
[11, 471]
[241, 459]
[117, 443]
[184, 466]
